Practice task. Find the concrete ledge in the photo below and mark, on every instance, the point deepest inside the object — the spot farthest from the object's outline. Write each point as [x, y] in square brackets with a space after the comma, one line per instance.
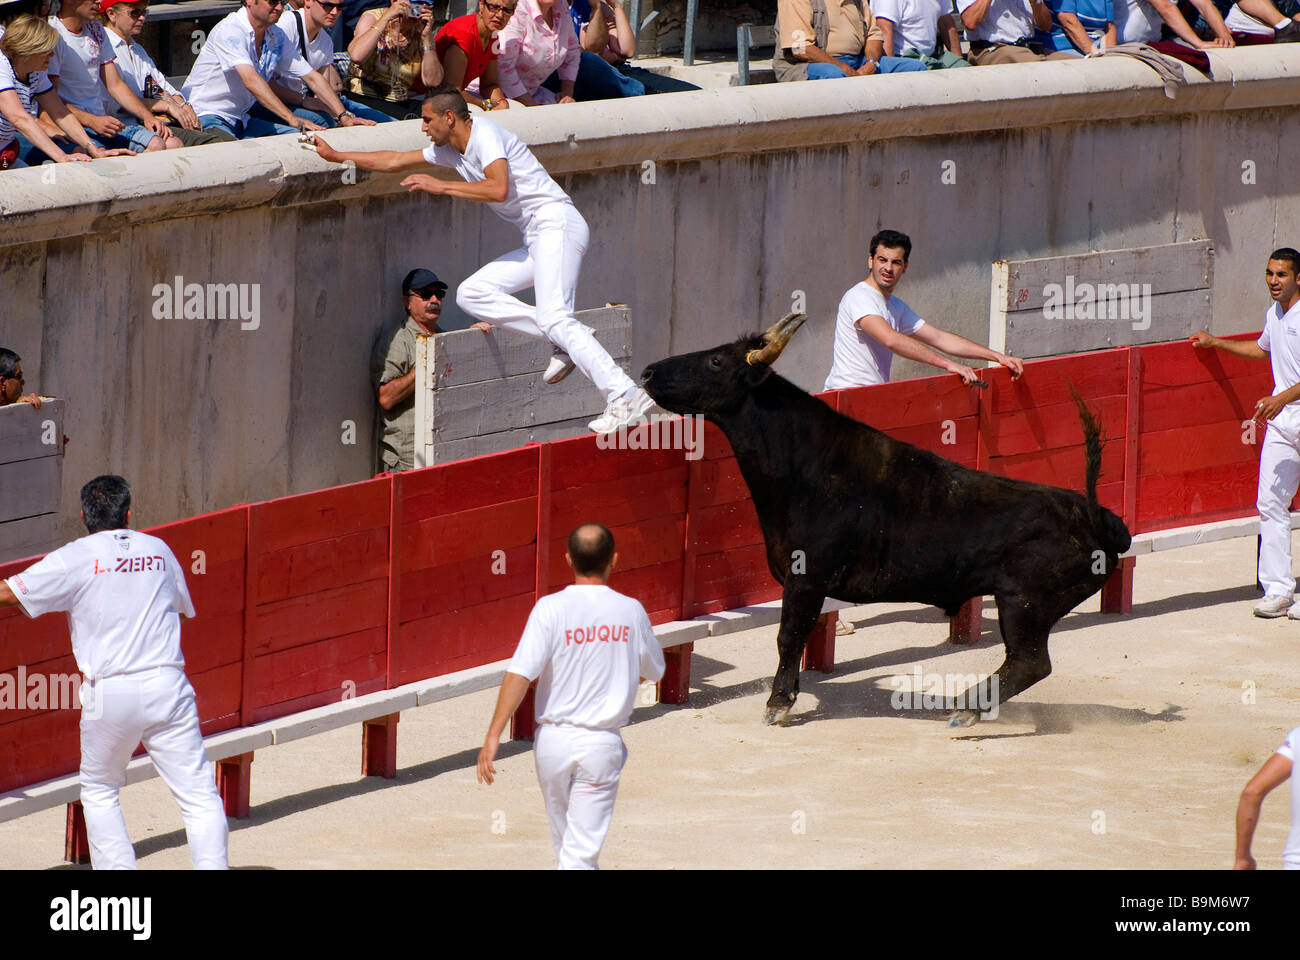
[462, 682]
[341, 714]
[677, 632]
[1176, 537]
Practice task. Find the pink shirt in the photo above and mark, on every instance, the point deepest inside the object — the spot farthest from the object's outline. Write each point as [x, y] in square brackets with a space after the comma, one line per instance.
[531, 51]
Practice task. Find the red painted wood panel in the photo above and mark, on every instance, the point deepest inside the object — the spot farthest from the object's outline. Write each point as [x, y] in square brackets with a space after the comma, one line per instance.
[1178, 363]
[1047, 382]
[323, 514]
[466, 584]
[906, 403]
[41, 747]
[1062, 467]
[444, 643]
[337, 666]
[470, 484]
[332, 613]
[1186, 405]
[468, 536]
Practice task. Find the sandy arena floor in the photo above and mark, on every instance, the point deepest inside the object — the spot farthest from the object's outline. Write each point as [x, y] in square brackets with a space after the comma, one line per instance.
[1131, 754]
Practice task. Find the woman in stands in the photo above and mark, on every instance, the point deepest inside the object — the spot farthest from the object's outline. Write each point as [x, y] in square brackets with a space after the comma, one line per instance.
[393, 58]
[467, 47]
[25, 51]
[540, 53]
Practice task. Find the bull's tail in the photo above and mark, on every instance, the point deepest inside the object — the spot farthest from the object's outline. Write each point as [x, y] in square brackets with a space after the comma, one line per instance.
[1114, 534]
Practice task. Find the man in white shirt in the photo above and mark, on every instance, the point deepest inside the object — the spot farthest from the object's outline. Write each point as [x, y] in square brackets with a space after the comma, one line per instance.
[308, 31]
[588, 647]
[872, 325]
[141, 74]
[124, 593]
[500, 171]
[85, 75]
[1139, 21]
[1001, 31]
[916, 24]
[1279, 768]
[244, 52]
[1279, 460]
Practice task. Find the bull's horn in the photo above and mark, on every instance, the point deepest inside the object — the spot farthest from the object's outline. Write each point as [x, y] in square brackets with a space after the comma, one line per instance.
[774, 340]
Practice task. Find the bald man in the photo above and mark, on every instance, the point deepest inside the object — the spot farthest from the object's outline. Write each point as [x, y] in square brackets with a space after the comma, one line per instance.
[588, 647]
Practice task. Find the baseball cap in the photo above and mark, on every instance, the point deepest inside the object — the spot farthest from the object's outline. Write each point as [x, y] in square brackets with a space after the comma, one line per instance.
[420, 278]
[105, 4]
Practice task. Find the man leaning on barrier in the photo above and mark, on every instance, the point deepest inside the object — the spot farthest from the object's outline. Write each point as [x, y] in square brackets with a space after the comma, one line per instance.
[11, 381]
[817, 40]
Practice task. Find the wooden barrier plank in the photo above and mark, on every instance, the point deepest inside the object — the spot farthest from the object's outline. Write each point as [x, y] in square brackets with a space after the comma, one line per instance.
[1179, 363]
[27, 485]
[337, 665]
[30, 537]
[467, 583]
[30, 689]
[23, 640]
[217, 690]
[312, 568]
[323, 514]
[718, 482]
[470, 535]
[444, 643]
[469, 484]
[1101, 374]
[42, 747]
[24, 430]
[1061, 468]
[1189, 405]
[620, 501]
[657, 587]
[906, 403]
[1055, 426]
[1194, 448]
[1196, 496]
[332, 613]
[964, 434]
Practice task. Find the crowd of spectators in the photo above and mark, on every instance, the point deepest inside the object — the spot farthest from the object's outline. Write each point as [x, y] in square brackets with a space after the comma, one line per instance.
[77, 85]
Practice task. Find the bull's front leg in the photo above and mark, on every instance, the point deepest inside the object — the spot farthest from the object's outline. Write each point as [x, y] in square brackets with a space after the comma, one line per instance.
[800, 608]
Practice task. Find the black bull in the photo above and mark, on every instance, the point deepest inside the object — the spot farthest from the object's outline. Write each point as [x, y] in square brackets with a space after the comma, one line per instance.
[851, 513]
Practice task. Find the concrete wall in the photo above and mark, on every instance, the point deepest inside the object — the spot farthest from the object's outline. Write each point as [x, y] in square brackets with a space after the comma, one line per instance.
[710, 213]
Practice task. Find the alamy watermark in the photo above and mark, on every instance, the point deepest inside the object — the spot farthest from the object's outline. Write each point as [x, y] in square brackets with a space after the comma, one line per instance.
[24, 690]
[945, 691]
[179, 300]
[1098, 301]
[658, 433]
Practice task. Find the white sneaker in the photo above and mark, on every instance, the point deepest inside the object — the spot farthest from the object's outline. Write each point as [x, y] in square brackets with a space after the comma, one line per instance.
[1293, 612]
[1275, 607]
[623, 412]
[561, 364]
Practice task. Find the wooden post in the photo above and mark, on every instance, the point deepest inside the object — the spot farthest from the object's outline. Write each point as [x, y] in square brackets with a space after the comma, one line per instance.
[379, 747]
[819, 651]
[968, 625]
[675, 686]
[1117, 591]
[233, 777]
[524, 722]
[76, 844]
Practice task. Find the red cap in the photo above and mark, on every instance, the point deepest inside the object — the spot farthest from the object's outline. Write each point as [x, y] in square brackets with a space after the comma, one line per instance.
[105, 4]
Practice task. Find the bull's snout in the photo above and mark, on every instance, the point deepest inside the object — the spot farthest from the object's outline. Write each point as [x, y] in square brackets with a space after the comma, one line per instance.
[646, 374]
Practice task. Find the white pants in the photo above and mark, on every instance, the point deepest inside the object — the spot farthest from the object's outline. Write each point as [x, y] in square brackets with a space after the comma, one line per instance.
[548, 262]
[1279, 472]
[155, 707]
[578, 770]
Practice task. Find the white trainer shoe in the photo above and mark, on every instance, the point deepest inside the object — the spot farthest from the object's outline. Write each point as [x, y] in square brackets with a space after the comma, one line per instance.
[561, 364]
[1275, 607]
[1293, 612]
[623, 412]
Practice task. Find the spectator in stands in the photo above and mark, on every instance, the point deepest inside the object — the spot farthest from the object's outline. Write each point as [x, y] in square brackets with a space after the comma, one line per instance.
[820, 41]
[85, 74]
[608, 39]
[1251, 21]
[467, 48]
[872, 325]
[1140, 21]
[540, 53]
[136, 68]
[11, 381]
[234, 69]
[13, 9]
[394, 60]
[1080, 26]
[921, 26]
[1002, 31]
[25, 51]
[308, 31]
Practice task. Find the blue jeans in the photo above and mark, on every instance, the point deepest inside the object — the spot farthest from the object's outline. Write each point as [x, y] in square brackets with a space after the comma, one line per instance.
[243, 129]
[598, 80]
[135, 137]
[325, 120]
[824, 71]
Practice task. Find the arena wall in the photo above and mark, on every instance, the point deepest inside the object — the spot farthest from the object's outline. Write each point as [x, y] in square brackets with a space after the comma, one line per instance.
[712, 213]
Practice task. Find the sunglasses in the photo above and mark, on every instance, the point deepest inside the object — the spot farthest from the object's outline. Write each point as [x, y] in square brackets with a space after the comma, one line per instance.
[497, 8]
[429, 292]
[329, 6]
[136, 12]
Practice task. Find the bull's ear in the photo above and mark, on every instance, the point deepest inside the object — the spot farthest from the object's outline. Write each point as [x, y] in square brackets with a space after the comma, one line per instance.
[755, 375]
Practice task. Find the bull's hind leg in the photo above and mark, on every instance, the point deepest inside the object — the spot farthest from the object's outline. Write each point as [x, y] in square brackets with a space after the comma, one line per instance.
[1025, 625]
[799, 612]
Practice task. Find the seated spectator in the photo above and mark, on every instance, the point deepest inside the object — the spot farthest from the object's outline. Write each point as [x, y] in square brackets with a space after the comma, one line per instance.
[26, 47]
[1080, 26]
[1001, 31]
[1253, 21]
[467, 51]
[394, 60]
[11, 381]
[817, 40]
[308, 31]
[609, 38]
[918, 25]
[1140, 21]
[234, 69]
[540, 53]
[139, 72]
[85, 75]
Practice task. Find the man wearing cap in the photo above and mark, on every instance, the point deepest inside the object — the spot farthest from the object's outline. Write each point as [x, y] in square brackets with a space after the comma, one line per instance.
[392, 366]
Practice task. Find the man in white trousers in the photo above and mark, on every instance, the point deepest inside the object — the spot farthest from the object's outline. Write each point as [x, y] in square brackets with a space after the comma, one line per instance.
[124, 593]
[1279, 461]
[501, 172]
[587, 647]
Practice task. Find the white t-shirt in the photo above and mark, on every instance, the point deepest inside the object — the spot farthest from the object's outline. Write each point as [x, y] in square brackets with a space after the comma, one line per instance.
[1006, 21]
[135, 66]
[320, 52]
[587, 647]
[531, 187]
[1136, 21]
[916, 23]
[860, 358]
[1239, 22]
[37, 83]
[122, 591]
[1281, 340]
[76, 63]
[1291, 852]
[214, 86]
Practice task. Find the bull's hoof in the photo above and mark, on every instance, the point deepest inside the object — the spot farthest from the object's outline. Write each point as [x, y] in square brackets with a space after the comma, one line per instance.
[775, 715]
[963, 718]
